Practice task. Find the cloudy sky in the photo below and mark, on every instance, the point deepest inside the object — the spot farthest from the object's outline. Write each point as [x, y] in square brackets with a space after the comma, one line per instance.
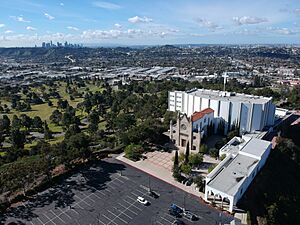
[138, 22]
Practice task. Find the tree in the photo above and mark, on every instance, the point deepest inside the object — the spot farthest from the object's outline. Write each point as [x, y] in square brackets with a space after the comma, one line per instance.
[186, 168]
[16, 123]
[4, 124]
[176, 160]
[199, 183]
[17, 138]
[72, 130]
[2, 139]
[47, 131]
[124, 121]
[26, 121]
[187, 153]
[177, 174]
[203, 149]
[133, 152]
[37, 123]
[56, 117]
[195, 159]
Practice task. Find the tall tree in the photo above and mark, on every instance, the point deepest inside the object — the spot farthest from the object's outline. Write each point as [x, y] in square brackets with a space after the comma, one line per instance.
[18, 139]
[47, 131]
[176, 160]
[187, 153]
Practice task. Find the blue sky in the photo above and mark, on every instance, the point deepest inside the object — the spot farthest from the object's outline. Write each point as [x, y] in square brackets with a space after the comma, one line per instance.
[139, 22]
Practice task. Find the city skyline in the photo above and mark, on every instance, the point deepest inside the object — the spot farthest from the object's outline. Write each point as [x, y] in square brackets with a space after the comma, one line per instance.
[29, 23]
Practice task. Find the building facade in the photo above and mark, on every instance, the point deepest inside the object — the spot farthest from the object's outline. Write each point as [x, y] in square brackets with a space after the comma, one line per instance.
[191, 129]
[250, 113]
[227, 182]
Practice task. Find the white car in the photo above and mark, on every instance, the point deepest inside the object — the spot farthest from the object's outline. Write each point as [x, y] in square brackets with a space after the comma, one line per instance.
[142, 200]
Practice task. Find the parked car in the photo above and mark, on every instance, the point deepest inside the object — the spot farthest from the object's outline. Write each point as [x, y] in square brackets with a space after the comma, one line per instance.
[189, 215]
[174, 213]
[179, 222]
[142, 200]
[176, 208]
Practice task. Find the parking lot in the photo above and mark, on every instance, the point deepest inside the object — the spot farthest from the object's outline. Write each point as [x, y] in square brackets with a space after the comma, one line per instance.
[106, 193]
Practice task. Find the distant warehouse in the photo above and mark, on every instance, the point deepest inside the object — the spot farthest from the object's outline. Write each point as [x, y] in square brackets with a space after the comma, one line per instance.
[250, 113]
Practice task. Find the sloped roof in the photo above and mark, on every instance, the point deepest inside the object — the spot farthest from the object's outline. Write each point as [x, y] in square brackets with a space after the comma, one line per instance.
[198, 115]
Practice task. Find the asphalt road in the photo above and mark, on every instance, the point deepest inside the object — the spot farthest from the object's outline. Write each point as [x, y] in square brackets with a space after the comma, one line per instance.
[105, 194]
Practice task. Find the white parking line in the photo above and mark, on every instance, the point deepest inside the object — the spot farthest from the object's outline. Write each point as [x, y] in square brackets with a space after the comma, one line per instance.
[82, 199]
[174, 218]
[101, 222]
[117, 216]
[159, 222]
[166, 220]
[132, 205]
[40, 220]
[88, 197]
[97, 196]
[75, 211]
[128, 209]
[123, 212]
[65, 213]
[49, 219]
[111, 221]
[57, 216]
[140, 191]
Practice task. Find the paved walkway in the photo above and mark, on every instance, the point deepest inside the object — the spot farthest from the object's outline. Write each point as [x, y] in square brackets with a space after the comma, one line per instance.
[160, 172]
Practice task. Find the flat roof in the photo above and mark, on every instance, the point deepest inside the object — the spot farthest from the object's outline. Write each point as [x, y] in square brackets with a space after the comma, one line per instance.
[238, 97]
[232, 175]
[256, 147]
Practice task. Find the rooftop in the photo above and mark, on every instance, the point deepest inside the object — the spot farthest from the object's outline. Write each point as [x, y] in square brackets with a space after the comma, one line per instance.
[198, 115]
[230, 174]
[228, 96]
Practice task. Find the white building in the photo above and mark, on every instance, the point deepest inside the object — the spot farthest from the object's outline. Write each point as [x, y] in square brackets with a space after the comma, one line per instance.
[230, 179]
[250, 112]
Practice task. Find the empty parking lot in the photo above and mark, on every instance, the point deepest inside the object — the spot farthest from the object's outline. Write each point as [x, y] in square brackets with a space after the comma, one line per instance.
[106, 193]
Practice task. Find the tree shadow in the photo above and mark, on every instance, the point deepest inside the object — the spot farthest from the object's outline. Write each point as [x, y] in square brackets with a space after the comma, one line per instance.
[92, 177]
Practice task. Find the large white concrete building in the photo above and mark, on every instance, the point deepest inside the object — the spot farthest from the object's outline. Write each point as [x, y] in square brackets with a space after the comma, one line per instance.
[227, 182]
[250, 112]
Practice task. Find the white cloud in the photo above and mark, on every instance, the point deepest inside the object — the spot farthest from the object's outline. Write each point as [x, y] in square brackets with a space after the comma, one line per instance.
[207, 24]
[73, 28]
[106, 5]
[248, 20]
[197, 35]
[8, 32]
[20, 19]
[30, 28]
[137, 19]
[48, 16]
[118, 25]
[297, 10]
[282, 31]
[2, 25]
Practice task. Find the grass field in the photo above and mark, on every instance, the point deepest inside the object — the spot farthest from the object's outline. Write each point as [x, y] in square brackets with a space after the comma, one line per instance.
[44, 111]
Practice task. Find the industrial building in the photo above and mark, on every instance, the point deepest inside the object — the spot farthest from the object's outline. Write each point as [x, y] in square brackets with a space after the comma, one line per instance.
[249, 112]
[227, 183]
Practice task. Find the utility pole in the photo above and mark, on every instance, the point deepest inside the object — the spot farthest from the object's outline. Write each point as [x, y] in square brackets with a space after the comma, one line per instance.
[184, 200]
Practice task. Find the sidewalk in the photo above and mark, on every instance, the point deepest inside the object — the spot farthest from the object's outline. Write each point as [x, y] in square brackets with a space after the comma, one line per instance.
[160, 173]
